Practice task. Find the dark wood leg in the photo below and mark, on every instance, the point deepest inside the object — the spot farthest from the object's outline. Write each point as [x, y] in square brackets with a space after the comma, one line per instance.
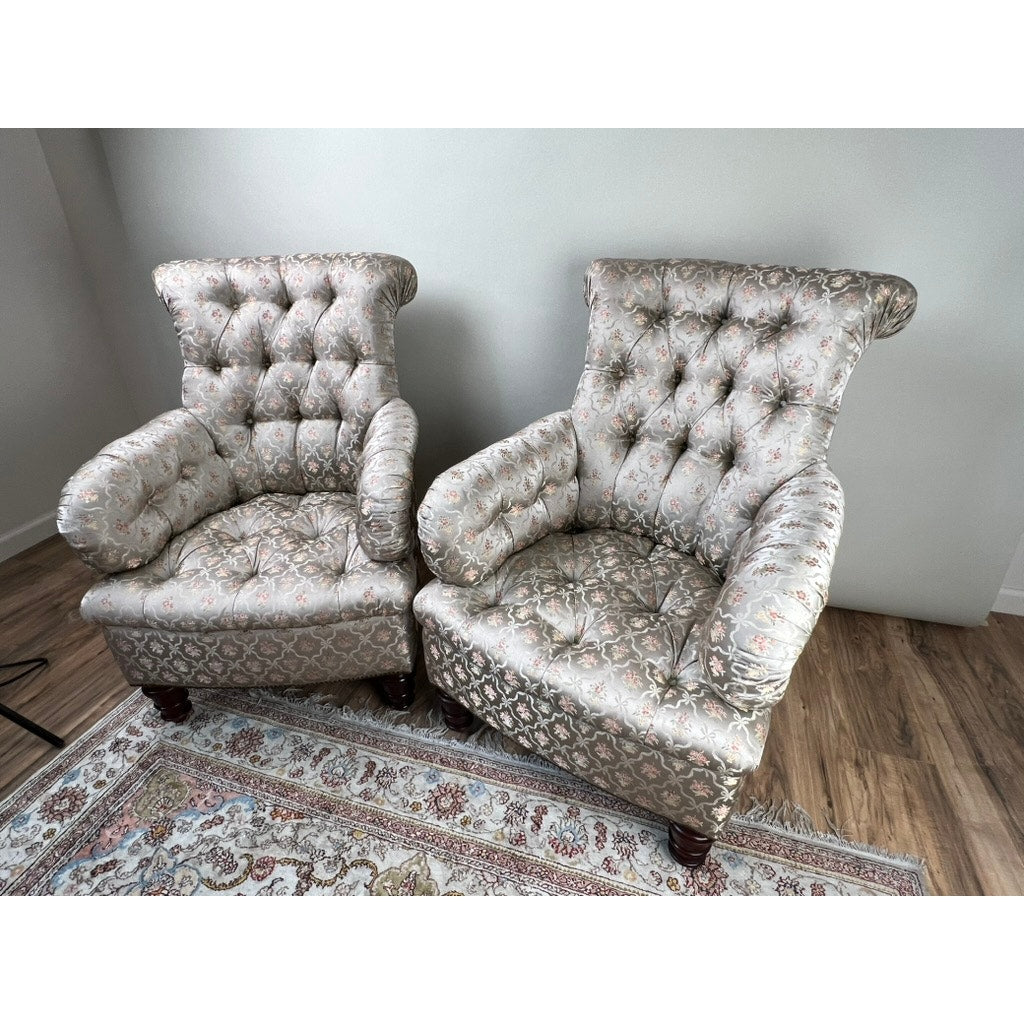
[687, 847]
[171, 701]
[455, 715]
[397, 691]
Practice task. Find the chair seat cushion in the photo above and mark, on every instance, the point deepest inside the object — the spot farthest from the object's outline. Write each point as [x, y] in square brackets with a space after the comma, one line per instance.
[583, 647]
[598, 622]
[276, 561]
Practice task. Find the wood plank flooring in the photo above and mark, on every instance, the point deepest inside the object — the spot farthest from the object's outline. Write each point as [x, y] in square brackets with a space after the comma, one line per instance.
[903, 734]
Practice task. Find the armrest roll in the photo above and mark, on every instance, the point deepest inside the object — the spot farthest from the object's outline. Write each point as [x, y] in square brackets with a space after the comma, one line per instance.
[775, 587]
[384, 495]
[500, 501]
[120, 509]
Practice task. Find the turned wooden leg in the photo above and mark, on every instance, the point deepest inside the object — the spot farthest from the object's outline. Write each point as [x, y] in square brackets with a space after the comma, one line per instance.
[455, 715]
[171, 701]
[398, 691]
[687, 847]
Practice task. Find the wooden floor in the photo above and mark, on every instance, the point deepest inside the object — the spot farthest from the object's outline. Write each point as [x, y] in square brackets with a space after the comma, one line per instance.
[906, 735]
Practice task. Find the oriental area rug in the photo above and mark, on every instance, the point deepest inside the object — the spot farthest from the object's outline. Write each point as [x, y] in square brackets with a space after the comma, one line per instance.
[274, 793]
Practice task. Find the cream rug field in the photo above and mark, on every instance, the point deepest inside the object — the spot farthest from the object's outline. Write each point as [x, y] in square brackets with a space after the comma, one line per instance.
[276, 794]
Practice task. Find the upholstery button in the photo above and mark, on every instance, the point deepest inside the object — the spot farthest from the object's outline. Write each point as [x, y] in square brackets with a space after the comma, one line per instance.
[249, 421]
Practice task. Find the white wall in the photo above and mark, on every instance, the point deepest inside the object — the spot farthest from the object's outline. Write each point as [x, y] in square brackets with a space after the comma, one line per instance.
[501, 225]
[1011, 595]
[62, 396]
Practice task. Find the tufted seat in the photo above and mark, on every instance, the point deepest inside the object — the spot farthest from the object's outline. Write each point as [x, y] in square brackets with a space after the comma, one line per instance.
[262, 533]
[625, 587]
[277, 560]
[601, 623]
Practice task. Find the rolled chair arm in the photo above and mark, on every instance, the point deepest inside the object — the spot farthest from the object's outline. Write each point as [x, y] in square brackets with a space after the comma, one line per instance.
[121, 508]
[500, 501]
[385, 491]
[776, 585]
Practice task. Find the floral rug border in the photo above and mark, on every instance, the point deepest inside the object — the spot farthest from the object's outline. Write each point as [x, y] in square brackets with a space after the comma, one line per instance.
[759, 830]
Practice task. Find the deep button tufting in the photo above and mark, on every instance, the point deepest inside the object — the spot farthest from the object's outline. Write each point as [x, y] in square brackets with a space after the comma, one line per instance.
[267, 362]
[620, 609]
[249, 421]
[216, 367]
[677, 379]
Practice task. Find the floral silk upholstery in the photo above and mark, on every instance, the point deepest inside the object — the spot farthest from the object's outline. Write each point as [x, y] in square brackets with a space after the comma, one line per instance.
[625, 587]
[263, 533]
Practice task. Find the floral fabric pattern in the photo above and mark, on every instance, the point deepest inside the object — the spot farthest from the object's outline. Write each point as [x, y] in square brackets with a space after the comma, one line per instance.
[279, 499]
[121, 508]
[354, 649]
[509, 495]
[276, 561]
[287, 359]
[699, 430]
[581, 648]
[385, 492]
[778, 575]
[708, 385]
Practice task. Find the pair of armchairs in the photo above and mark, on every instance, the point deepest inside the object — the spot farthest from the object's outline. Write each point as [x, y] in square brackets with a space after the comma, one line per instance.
[623, 587]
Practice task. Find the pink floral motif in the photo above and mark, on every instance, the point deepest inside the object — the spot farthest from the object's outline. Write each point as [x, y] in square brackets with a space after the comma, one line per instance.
[447, 800]
[244, 742]
[63, 804]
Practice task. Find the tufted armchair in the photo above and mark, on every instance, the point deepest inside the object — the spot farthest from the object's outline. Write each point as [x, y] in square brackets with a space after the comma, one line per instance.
[261, 535]
[625, 587]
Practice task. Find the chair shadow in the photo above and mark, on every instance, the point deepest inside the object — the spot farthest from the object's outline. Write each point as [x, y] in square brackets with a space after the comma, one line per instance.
[443, 375]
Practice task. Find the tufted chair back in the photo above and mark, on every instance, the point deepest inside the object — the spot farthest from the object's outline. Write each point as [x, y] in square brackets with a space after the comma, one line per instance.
[709, 384]
[287, 359]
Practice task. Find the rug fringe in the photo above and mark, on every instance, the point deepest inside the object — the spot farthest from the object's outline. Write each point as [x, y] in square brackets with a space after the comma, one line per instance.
[785, 816]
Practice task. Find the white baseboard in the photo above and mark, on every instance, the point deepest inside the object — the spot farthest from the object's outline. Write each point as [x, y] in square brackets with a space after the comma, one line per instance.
[24, 536]
[1010, 601]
